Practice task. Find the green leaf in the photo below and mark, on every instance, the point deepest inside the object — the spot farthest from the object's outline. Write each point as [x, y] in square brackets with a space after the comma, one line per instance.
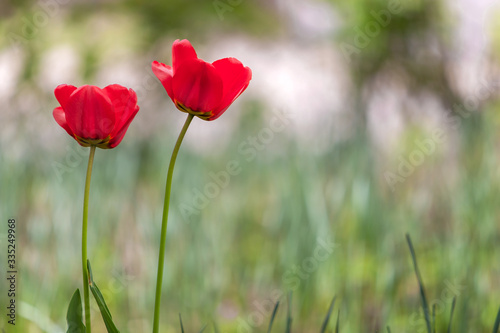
[496, 326]
[106, 315]
[182, 326]
[74, 317]
[327, 318]
[289, 314]
[425, 304]
[451, 314]
[434, 318]
[273, 316]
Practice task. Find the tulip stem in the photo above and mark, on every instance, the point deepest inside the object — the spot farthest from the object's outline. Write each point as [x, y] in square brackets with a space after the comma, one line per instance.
[84, 240]
[164, 222]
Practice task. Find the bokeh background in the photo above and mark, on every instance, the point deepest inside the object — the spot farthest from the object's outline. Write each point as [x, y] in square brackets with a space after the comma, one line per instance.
[365, 120]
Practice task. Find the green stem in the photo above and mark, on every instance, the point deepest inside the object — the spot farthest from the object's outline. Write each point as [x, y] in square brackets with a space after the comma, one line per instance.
[164, 222]
[84, 240]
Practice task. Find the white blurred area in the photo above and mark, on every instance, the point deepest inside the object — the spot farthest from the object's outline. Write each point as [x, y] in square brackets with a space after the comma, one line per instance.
[392, 105]
[302, 72]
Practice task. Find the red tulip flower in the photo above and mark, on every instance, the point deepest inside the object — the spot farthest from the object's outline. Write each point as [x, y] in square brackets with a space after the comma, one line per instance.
[200, 88]
[95, 116]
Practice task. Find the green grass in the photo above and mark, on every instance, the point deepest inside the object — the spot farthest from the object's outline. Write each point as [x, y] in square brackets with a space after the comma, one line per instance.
[256, 241]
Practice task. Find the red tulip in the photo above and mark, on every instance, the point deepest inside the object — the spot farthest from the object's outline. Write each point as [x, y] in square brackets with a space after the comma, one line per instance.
[95, 116]
[198, 87]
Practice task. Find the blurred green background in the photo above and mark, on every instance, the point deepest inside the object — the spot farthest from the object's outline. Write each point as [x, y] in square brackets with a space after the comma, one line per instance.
[364, 120]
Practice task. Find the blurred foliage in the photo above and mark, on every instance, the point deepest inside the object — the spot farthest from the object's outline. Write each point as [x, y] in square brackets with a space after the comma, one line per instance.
[408, 38]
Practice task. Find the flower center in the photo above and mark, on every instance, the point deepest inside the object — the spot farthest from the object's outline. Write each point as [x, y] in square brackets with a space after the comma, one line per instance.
[202, 115]
[101, 143]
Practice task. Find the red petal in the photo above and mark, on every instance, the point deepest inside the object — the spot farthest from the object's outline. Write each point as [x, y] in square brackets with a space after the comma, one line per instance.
[197, 86]
[63, 92]
[164, 73]
[89, 113]
[235, 79]
[115, 141]
[60, 118]
[182, 51]
[125, 105]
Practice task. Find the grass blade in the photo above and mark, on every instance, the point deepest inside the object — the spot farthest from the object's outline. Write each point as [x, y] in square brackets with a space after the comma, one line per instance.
[425, 305]
[180, 320]
[106, 315]
[497, 323]
[451, 313]
[434, 318]
[201, 331]
[388, 329]
[272, 316]
[327, 318]
[289, 315]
